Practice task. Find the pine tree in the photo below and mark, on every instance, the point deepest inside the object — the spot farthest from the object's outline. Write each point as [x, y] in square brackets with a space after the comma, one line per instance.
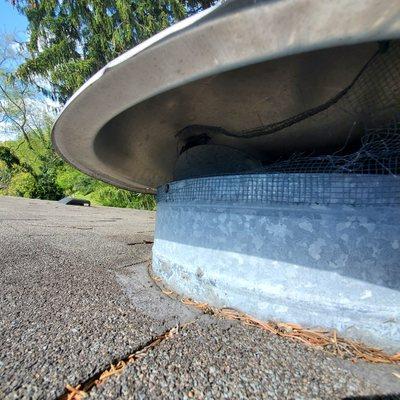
[70, 40]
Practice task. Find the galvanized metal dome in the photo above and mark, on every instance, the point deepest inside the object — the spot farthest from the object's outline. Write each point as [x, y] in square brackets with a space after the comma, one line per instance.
[269, 78]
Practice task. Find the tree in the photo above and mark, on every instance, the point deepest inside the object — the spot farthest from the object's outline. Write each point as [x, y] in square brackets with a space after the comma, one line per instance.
[23, 110]
[8, 157]
[70, 40]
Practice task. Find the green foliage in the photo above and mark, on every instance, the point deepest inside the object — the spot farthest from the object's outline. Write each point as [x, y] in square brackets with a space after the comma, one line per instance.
[12, 161]
[70, 40]
[5, 177]
[39, 173]
[22, 177]
[8, 157]
[22, 184]
[75, 183]
[111, 196]
[47, 187]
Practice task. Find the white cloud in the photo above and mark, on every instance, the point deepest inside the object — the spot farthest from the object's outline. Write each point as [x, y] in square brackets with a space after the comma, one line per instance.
[6, 132]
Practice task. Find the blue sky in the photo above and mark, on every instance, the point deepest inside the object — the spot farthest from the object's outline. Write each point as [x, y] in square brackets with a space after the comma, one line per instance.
[10, 20]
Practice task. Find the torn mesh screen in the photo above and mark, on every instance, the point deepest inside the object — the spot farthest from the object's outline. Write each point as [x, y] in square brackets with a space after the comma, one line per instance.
[373, 95]
[379, 154]
[368, 176]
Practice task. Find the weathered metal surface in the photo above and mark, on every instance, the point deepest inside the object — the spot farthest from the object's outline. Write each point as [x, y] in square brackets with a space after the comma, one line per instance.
[237, 66]
[205, 160]
[315, 250]
[328, 265]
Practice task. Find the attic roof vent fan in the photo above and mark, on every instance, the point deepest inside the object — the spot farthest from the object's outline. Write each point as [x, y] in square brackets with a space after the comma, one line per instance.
[270, 132]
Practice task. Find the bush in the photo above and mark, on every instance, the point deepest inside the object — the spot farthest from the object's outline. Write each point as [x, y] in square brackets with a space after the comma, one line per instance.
[73, 181]
[46, 186]
[46, 178]
[5, 176]
[111, 196]
[40, 173]
[22, 184]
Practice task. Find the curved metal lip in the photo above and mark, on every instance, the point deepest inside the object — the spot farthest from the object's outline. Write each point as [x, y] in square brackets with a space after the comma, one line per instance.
[314, 26]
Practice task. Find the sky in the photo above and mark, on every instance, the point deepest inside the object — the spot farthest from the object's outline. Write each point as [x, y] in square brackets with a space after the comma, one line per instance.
[10, 20]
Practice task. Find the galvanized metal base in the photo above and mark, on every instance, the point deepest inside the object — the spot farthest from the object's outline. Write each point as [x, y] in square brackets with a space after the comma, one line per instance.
[326, 265]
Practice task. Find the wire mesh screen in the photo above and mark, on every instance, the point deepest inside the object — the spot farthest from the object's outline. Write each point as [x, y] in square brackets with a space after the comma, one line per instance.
[366, 177]
[280, 188]
[379, 153]
[373, 94]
